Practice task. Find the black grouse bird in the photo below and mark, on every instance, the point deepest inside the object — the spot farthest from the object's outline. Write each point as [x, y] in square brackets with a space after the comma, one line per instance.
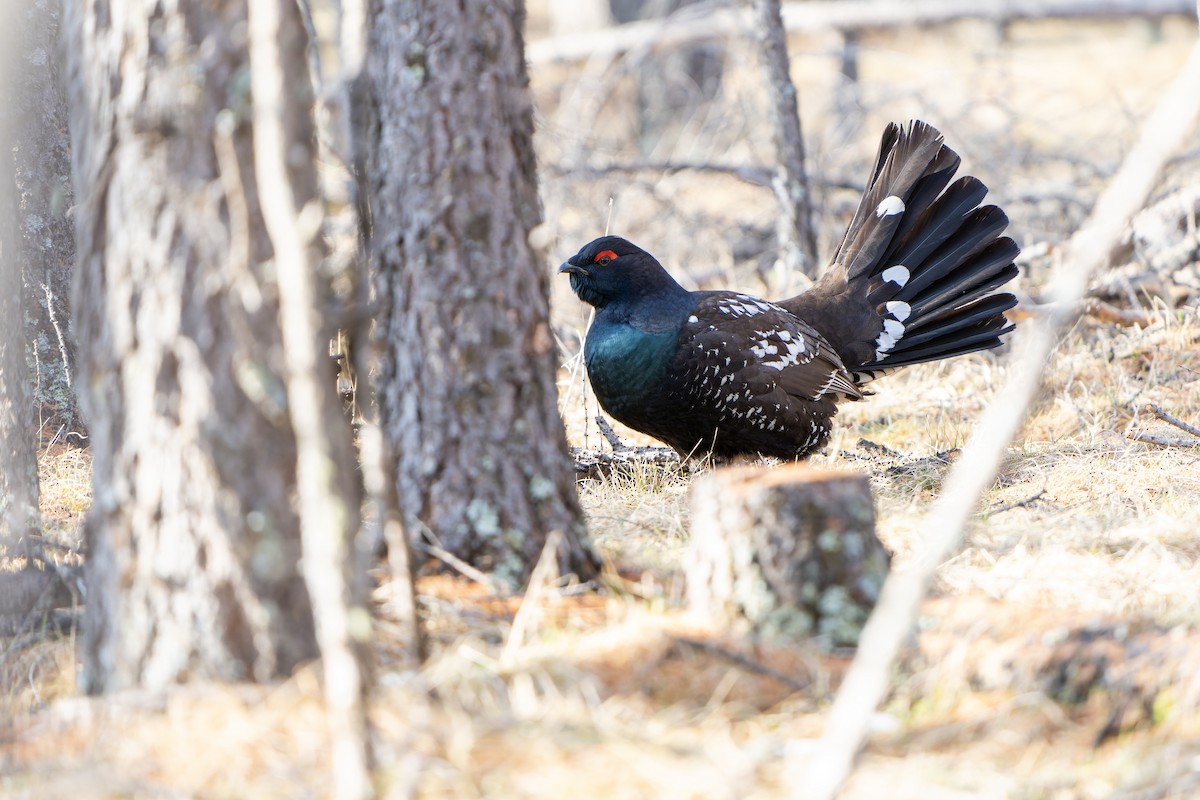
[725, 373]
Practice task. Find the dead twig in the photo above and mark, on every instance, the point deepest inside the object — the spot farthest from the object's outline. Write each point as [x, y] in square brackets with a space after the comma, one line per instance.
[1161, 441]
[1028, 501]
[1157, 411]
[614, 441]
[433, 546]
[744, 661]
[1106, 312]
[753, 174]
[875, 447]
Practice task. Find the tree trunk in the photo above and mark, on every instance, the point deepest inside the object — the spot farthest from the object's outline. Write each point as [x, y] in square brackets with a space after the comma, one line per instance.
[18, 456]
[43, 176]
[466, 390]
[788, 552]
[794, 228]
[382, 522]
[193, 540]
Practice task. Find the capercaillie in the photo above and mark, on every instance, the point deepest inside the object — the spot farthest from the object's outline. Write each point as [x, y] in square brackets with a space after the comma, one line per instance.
[914, 279]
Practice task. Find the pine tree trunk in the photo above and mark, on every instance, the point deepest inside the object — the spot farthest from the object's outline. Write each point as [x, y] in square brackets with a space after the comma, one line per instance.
[466, 392]
[18, 456]
[193, 540]
[47, 236]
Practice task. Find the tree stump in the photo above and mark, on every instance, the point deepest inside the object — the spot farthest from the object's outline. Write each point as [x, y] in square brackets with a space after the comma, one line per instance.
[786, 552]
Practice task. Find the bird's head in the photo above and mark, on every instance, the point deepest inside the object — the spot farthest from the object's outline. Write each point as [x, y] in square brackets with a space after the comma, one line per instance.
[611, 269]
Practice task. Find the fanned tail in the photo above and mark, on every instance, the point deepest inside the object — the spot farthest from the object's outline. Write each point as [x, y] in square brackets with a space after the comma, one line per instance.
[915, 275]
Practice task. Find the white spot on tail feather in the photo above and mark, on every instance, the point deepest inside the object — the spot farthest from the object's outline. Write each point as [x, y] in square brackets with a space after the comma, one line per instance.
[897, 275]
[898, 309]
[889, 206]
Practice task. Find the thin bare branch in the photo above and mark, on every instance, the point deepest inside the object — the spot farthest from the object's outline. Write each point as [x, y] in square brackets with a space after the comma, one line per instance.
[291, 212]
[829, 763]
[826, 15]
[614, 441]
[1106, 312]
[1161, 441]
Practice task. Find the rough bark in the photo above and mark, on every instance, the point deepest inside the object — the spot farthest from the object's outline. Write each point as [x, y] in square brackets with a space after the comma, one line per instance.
[18, 456]
[794, 230]
[789, 552]
[193, 541]
[43, 178]
[466, 382]
[382, 523]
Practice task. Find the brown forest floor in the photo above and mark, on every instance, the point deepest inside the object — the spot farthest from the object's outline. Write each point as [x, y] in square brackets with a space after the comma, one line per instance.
[1059, 656]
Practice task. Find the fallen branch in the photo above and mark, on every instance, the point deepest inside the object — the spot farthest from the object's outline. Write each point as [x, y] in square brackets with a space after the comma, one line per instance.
[744, 661]
[593, 463]
[1161, 441]
[1166, 441]
[1170, 420]
[1125, 317]
[817, 16]
[1028, 501]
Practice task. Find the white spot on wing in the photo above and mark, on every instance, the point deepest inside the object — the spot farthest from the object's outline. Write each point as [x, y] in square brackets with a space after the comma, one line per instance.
[693, 318]
[885, 342]
[897, 274]
[896, 329]
[898, 309]
[889, 206]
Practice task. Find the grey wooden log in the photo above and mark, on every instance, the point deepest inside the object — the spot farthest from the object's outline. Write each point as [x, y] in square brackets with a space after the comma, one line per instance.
[785, 552]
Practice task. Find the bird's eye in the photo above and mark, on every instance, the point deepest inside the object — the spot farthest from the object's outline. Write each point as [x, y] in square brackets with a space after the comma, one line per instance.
[605, 256]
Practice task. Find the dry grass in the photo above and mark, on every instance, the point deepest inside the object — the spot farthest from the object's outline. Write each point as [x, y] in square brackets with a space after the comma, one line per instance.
[1058, 656]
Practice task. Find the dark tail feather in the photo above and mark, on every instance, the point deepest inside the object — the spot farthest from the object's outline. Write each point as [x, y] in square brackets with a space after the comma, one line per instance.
[984, 336]
[941, 220]
[914, 276]
[904, 158]
[988, 270]
[989, 309]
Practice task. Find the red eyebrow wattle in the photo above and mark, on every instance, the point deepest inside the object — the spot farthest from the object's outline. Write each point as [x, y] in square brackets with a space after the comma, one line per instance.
[609, 254]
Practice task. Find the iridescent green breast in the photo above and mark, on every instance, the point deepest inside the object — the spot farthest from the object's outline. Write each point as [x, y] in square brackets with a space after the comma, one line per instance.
[626, 367]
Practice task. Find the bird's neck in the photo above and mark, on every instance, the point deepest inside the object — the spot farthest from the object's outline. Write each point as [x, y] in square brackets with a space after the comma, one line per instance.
[660, 311]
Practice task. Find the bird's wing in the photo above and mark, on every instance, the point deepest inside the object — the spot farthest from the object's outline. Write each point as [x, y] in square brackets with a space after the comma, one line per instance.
[741, 345]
